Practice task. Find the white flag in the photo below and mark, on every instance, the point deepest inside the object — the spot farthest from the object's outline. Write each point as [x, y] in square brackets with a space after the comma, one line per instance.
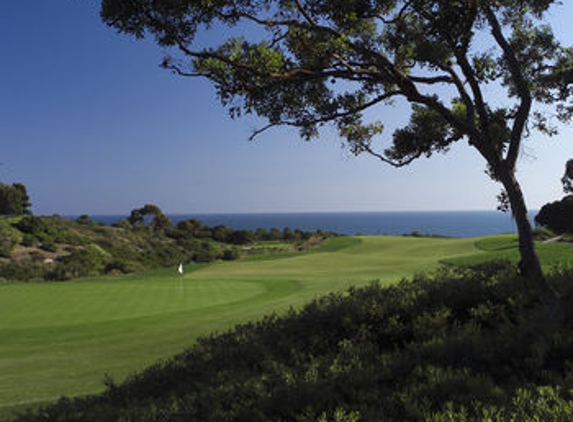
[180, 269]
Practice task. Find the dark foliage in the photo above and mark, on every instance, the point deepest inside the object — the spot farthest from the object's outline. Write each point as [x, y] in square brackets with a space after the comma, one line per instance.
[65, 249]
[14, 199]
[557, 216]
[465, 344]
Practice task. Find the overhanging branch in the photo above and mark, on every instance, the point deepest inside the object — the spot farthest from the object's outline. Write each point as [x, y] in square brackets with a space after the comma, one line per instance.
[328, 118]
[521, 86]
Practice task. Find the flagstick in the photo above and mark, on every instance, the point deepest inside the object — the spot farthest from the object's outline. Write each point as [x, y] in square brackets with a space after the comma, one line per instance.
[180, 271]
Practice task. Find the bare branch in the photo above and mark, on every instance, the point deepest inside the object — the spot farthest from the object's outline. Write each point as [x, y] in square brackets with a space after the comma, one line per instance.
[330, 117]
[432, 80]
[386, 160]
[305, 13]
[521, 86]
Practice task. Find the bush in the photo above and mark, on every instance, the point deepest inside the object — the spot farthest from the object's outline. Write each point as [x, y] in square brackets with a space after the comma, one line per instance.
[49, 245]
[465, 344]
[557, 216]
[32, 225]
[23, 271]
[88, 261]
[231, 254]
[207, 252]
[9, 239]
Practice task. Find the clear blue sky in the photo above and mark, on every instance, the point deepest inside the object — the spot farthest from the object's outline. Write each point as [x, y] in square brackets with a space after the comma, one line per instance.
[91, 124]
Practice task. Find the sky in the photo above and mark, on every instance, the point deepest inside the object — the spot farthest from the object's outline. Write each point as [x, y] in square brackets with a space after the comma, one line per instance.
[91, 124]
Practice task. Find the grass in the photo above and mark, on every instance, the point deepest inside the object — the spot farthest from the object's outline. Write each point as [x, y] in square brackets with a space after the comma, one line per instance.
[65, 338]
[506, 247]
[459, 344]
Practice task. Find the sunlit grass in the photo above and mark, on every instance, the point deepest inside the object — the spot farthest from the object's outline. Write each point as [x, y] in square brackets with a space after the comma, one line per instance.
[506, 247]
[64, 338]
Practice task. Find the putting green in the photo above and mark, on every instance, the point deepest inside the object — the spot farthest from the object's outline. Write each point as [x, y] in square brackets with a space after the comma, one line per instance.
[65, 338]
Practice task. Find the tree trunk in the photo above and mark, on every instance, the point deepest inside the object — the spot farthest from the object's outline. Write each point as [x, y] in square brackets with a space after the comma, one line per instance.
[529, 265]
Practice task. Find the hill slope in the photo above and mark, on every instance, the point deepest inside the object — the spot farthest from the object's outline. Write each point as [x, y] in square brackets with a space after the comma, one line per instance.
[464, 345]
[62, 338]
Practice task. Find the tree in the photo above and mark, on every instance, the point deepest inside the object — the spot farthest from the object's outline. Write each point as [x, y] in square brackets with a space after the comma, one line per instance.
[557, 216]
[310, 63]
[159, 221]
[567, 179]
[14, 199]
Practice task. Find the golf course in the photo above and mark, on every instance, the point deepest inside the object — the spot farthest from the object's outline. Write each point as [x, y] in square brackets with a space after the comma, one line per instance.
[70, 338]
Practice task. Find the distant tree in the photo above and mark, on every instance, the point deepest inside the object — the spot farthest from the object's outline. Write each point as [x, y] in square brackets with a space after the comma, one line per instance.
[288, 234]
[557, 216]
[30, 224]
[14, 199]
[85, 220]
[241, 237]
[261, 234]
[159, 221]
[191, 227]
[308, 63]
[567, 179]
[274, 234]
[136, 218]
[221, 232]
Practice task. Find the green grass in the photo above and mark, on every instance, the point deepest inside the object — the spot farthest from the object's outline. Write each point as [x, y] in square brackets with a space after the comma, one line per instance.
[65, 338]
[506, 247]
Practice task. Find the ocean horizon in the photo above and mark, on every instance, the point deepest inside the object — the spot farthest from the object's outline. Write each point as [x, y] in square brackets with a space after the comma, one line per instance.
[443, 223]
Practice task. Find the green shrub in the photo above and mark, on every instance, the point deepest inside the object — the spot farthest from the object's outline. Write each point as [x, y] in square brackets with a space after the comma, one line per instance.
[9, 239]
[23, 271]
[49, 245]
[464, 344]
[231, 254]
[88, 261]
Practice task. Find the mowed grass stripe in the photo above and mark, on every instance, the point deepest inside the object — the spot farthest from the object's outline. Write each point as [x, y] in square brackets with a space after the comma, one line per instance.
[52, 305]
[63, 338]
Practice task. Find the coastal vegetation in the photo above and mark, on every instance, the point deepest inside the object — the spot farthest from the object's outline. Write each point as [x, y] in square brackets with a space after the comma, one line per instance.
[461, 344]
[14, 199]
[53, 248]
[313, 327]
[557, 216]
[125, 323]
[122, 323]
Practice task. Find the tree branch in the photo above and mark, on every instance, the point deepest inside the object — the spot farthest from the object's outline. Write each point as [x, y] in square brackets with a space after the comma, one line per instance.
[305, 13]
[328, 118]
[520, 84]
[432, 80]
[386, 160]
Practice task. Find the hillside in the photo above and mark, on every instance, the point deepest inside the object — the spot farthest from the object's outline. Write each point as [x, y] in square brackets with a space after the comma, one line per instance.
[464, 344]
[121, 324]
[54, 248]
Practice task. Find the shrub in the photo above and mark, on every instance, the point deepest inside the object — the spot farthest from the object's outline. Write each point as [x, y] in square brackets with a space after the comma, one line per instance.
[23, 271]
[231, 254]
[557, 216]
[464, 344]
[49, 245]
[9, 239]
[88, 261]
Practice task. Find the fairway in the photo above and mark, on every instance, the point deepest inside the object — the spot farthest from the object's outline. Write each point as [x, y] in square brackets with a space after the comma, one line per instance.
[66, 338]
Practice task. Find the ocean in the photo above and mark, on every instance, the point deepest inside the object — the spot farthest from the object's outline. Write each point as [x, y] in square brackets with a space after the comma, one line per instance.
[444, 223]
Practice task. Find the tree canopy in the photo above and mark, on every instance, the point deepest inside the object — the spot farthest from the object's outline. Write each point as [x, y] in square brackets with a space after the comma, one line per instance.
[14, 199]
[557, 216]
[308, 63]
[159, 221]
